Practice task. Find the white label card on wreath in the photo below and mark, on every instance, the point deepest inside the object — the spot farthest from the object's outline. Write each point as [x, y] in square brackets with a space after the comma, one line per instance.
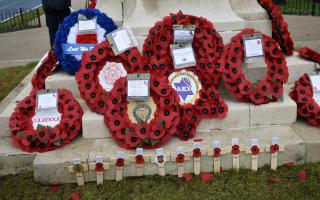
[50, 117]
[138, 86]
[183, 34]
[47, 100]
[121, 40]
[139, 151]
[110, 73]
[315, 83]
[87, 25]
[253, 45]
[183, 56]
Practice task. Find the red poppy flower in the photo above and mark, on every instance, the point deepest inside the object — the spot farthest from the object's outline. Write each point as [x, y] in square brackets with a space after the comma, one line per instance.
[235, 149]
[196, 153]
[132, 140]
[256, 98]
[156, 132]
[216, 152]
[43, 133]
[180, 158]
[255, 150]
[99, 167]
[115, 123]
[120, 162]
[274, 148]
[142, 130]
[139, 159]
[206, 177]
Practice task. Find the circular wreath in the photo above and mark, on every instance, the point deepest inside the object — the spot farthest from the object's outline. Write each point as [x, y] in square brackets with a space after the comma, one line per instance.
[267, 90]
[44, 70]
[302, 94]
[92, 63]
[280, 31]
[105, 25]
[154, 134]
[208, 47]
[44, 139]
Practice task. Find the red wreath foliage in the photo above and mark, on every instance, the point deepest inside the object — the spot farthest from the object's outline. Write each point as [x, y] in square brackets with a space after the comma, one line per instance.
[302, 94]
[280, 31]
[87, 38]
[310, 54]
[44, 70]
[208, 47]
[267, 90]
[45, 139]
[92, 63]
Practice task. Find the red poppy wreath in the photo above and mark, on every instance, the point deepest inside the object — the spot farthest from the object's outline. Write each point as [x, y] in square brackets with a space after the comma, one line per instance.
[208, 47]
[93, 63]
[302, 94]
[44, 70]
[280, 31]
[147, 134]
[43, 138]
[310, 54]
[267, 90]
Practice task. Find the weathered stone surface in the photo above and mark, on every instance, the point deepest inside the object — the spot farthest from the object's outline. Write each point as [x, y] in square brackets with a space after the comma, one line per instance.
[151, 11]
[93, 126]
[52, 167]
[12, 159]
[311, 137]
[250, 10]
[113, 8]
[264, 26]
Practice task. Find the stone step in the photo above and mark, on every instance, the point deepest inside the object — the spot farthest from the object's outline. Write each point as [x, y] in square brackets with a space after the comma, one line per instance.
[12, 159]
[297, 67]
[113, 8]
[51, 167]
[240, 115]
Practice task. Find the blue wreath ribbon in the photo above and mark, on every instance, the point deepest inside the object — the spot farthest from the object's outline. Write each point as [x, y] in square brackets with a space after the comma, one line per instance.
[68, 62]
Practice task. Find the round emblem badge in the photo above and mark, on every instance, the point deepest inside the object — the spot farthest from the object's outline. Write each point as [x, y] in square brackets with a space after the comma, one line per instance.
[186, 84]
[141, 111]
[110, 73]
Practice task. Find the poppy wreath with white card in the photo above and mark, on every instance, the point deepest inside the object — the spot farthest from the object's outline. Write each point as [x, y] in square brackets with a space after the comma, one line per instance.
[102, 65]
[207, 44]
[302, 94]
[70, 34]
[150, 124]
[44, 138]
[269, 89]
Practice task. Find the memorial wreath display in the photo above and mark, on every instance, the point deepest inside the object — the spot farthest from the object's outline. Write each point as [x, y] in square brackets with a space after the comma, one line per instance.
[195, 85]
[280, 30]
[269, 89]
[80, 32]
[303, 94]
[29, 135]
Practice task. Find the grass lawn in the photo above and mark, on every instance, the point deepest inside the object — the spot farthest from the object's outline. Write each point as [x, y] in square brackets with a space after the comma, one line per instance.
[226, 185]
[11, 77]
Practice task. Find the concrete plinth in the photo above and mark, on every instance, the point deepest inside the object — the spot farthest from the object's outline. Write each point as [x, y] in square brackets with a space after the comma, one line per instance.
[113, 8]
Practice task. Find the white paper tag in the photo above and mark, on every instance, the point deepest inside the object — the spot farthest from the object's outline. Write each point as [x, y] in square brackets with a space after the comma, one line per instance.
[50, 117]
[139, 151]
[180, 150]
[76, 161]
[159, 152]
[183, 56]
[47, 100]
[275, 140]
[196, 145]
[235, 141]
[315, 82]
[120, 154]
[254, 141]
[121, 40]
[138, 86]
[87, 25]
[216, 144]
[183, 34]
[253, 45]
[110, 73]
[99, 159]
